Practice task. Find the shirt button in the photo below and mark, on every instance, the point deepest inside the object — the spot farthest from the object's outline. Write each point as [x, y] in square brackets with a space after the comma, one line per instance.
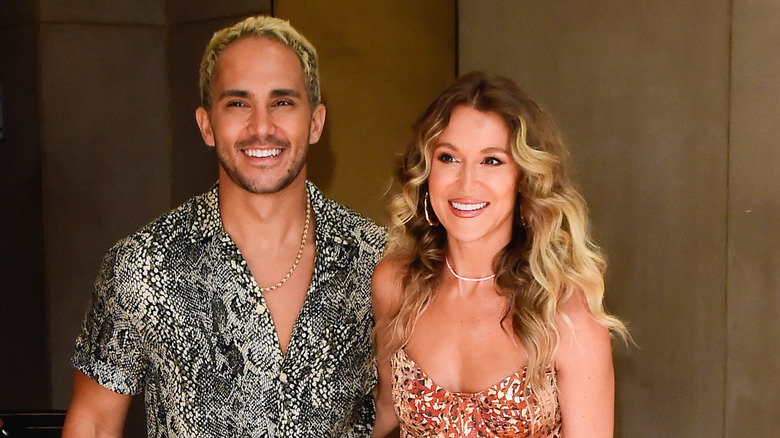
[260, 308]
[283, 377]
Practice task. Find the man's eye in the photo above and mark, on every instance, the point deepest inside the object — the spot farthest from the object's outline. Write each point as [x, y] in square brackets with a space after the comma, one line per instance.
[283, 103]
[236, 103]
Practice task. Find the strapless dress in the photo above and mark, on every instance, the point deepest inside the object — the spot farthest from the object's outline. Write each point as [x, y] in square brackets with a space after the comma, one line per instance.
[506, 409]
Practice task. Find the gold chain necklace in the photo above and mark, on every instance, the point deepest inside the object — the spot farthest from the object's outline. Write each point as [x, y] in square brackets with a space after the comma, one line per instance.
[300, 250]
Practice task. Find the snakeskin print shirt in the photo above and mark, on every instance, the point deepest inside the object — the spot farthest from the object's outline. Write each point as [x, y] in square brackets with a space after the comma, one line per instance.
[176, 315]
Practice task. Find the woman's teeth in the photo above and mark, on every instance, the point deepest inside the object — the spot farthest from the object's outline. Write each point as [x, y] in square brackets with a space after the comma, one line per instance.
[468, 207]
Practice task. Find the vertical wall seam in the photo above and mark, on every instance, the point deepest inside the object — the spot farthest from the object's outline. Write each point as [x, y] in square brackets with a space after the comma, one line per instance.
[457, 38]
[169, 101]
[38, 26]
[730, 110]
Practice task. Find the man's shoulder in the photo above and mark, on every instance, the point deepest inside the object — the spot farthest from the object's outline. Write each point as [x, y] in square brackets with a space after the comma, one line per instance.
[186, 224]
[342, 221]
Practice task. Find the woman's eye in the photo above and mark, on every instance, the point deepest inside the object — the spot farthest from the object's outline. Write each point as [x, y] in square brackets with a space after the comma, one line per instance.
[446, 158]
[492, 161]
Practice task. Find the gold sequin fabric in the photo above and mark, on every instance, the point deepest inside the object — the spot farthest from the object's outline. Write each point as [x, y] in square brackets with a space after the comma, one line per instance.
[425, 409]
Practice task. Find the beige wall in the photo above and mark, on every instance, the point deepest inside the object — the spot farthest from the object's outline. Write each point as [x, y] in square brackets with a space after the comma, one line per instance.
[382, 63]
[753, 361]
[671, 110]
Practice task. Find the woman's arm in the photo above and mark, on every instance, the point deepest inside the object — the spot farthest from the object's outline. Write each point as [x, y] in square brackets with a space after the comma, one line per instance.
[385, 293]
[586, 378]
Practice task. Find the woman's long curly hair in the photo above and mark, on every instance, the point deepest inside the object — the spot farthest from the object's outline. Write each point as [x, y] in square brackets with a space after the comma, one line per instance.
[550, 255]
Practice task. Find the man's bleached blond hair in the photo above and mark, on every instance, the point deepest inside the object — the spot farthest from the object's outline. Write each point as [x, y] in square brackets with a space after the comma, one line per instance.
[267, 27]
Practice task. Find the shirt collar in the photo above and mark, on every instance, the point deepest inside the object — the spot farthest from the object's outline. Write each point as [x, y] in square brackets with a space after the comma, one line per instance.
[335, 240]
[205, 221]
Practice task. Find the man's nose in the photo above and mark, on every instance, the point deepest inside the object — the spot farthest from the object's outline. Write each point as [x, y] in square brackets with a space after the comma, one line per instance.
[261, 122]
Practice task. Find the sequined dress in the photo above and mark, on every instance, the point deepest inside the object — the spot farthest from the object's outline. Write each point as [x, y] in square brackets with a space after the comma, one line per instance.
[427, 410]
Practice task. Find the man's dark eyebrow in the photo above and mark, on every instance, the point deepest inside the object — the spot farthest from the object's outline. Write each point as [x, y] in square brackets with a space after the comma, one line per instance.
[234, 93]
[281, 92]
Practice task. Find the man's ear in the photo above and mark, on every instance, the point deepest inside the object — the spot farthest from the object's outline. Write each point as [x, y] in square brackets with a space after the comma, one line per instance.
[204, 123]
[317, 123]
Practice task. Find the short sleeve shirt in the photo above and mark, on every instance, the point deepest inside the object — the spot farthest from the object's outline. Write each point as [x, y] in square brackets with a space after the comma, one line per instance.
[176, 314]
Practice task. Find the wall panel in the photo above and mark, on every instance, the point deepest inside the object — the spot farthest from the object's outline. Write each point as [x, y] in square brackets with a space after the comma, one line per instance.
[24, 366]
[151, 12]
[105, 160]
[753, 384]
[641, 92]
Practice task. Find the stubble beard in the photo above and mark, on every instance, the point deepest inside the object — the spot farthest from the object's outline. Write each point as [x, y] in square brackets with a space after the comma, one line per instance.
[257, 187]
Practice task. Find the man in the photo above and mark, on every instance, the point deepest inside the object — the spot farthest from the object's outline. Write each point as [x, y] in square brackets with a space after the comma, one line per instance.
[246, 311]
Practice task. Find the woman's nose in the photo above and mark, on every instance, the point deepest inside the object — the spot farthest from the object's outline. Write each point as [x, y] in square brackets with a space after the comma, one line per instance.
[466, 177]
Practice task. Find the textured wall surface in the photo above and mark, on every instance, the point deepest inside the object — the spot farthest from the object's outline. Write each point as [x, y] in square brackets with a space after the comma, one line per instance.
[24, 368]
[670, 110]
[753, 383]
[101, 123]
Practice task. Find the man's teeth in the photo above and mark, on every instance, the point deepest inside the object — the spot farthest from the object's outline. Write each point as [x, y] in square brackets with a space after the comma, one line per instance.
[262, 153]
[468, 207]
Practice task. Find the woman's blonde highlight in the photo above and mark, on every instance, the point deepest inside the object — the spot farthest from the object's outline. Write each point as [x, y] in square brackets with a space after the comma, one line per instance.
[551, 256]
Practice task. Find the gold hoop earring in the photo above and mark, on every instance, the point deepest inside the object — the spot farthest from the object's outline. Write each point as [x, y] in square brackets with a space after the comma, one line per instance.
[425, 209]
[520, 207]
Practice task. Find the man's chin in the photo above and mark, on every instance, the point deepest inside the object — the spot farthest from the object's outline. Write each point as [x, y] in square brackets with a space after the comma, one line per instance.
[263, 187]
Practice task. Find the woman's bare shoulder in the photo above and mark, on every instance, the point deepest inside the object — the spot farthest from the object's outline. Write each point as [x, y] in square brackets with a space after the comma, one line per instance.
[582, 337]
[386, 284]
[586, 380]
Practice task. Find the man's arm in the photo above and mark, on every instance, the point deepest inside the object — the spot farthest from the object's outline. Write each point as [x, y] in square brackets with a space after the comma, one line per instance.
[94, 411]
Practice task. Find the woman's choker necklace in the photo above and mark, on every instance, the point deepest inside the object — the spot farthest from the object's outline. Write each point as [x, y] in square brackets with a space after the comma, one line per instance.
[460, 277]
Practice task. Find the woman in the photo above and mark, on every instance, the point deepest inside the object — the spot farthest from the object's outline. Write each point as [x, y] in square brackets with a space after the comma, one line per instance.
[488, 303]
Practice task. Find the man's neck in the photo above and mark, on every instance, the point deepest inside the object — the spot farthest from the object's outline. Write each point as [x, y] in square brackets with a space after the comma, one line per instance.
[269, 219]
